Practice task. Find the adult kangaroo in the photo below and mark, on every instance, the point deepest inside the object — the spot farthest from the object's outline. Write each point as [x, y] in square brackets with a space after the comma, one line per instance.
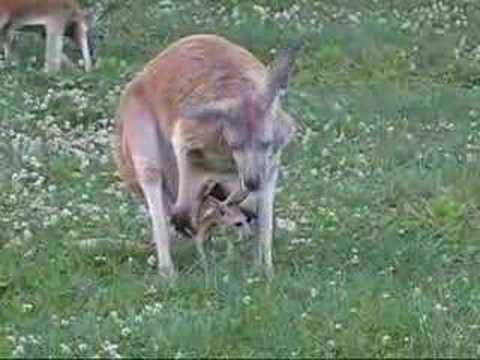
[205, 109]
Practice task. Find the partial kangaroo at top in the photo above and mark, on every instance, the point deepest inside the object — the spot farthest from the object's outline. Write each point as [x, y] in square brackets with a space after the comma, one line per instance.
[53, 18]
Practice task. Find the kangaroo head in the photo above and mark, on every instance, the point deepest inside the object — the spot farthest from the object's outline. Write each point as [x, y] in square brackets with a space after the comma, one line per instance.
[251, 128]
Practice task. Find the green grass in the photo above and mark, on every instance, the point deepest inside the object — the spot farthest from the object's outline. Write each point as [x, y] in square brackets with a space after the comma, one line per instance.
[376, 252]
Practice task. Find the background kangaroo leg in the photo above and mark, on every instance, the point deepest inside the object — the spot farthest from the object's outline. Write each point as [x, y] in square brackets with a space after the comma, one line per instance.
[7, 37]
[3, 34]
[54, 47]
[9, 46]
[81, 40]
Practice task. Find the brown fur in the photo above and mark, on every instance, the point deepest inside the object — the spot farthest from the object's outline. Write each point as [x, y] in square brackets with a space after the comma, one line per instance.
[176, 125]
[123, 158]
[51, 18]
[126, 171]
[26, 8]
[185, 80]
[195, 70]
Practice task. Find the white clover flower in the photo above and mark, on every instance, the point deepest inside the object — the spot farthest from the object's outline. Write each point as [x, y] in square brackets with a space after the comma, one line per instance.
[27, 234]
[355, 260]
[151, 289]
[65, 349]
[151, 260]
[100, 259]
[157, 307]
[286, 224]
[18, 351]
[126, 331]
[253, 280]
[247, 299]
[440, 307]
[27, 307]
[111, 349]
[386, 339]
[11, 339]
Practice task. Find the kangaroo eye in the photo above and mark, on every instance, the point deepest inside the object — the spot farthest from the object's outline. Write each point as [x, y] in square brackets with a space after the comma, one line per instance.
[266, 144]
[236, 146]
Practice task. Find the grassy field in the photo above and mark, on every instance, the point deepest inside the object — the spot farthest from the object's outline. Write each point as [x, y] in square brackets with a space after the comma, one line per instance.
[377, 248]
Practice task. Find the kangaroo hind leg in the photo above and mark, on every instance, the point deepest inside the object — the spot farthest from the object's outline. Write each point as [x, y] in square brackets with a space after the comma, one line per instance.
[141, 135]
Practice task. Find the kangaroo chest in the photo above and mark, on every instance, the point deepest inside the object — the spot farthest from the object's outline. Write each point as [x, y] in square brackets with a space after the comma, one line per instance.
[202, 147]
[211, 160]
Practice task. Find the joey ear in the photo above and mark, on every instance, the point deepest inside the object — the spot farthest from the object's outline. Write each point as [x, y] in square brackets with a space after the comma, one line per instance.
[236, 198]
[209, 213]
[213, 201]
[206, 215]
[207, 189]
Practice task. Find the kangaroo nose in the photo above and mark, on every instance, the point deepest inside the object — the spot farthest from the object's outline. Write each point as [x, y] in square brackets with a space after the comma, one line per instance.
[238, 224]
[252, 183]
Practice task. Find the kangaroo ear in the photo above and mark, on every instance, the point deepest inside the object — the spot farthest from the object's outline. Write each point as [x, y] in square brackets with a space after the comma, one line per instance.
[284, 129]
[279, 70]
[91, 15]
[206, 190]
[91, 11]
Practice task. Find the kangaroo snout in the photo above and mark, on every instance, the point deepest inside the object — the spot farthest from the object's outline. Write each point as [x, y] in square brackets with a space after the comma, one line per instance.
[252, 183]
